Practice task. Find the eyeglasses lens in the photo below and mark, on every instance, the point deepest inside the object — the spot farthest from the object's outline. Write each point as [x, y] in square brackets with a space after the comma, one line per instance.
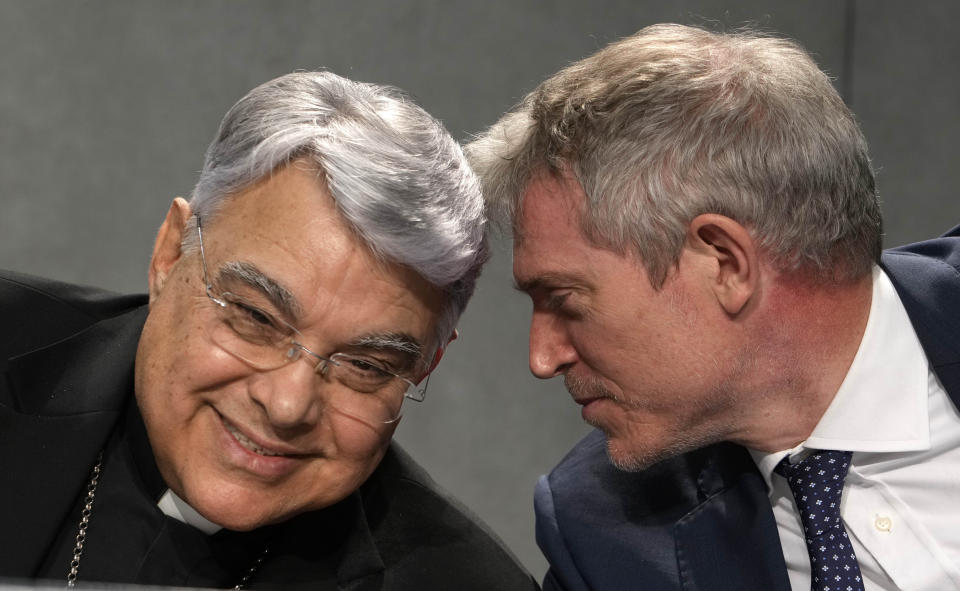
[352, 385]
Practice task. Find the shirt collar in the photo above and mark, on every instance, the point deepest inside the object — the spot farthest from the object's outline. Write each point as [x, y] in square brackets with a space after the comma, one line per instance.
[173, 506]
[881, 406]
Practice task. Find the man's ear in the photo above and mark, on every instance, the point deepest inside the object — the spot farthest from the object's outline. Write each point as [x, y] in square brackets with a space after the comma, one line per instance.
[733, 259]
[166, 248]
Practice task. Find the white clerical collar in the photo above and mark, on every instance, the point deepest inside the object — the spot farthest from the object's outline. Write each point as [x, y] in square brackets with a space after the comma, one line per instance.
[174, 506]
[881, 405]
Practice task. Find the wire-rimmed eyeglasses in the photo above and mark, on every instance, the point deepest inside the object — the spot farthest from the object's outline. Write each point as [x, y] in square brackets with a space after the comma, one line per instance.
[371, 391]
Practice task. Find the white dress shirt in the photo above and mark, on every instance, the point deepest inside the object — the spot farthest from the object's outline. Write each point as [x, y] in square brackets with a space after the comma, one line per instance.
[901, 500]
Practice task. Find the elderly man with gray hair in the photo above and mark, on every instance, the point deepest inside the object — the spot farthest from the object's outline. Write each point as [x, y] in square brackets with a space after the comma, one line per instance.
[696, 223]
[233, 427]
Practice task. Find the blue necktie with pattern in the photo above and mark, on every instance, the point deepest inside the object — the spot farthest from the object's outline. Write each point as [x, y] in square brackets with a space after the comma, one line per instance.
[817, 483]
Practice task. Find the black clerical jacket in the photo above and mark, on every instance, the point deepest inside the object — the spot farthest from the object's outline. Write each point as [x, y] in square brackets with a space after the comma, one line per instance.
[66, 376]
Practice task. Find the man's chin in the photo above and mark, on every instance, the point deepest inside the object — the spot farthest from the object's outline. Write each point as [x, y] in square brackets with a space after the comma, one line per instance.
[635, 458]
[630, 461]
[234, 510]
[230, 519]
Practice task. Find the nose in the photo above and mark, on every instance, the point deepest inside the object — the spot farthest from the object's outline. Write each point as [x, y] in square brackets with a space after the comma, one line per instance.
[551, 352]
[288, 396]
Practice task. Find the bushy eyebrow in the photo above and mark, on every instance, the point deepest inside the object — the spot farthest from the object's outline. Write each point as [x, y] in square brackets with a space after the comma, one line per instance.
[402, 344]
[545, 281]
[399, 343]
[527, 285]
[250, 275]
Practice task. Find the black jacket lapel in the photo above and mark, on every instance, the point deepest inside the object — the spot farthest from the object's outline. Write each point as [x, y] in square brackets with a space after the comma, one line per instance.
[67, 398]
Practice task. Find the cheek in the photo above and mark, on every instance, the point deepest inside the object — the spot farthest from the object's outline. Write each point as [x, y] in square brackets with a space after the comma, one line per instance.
[352, 453]
[355, 440]
[633, 356]
[609, 342]
[181, 356]
[176, 365]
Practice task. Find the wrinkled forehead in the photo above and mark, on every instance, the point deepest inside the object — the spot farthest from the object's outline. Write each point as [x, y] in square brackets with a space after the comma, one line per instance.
[285, 238]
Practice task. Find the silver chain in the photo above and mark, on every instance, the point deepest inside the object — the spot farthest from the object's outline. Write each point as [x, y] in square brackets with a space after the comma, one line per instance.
[253, 569]
[85, 521]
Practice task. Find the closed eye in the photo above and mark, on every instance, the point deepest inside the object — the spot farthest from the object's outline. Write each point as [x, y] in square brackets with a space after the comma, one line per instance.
[562, 305]
[257, 315]
[252, 323]
[555, 301]
[368, 366]
[250, 312]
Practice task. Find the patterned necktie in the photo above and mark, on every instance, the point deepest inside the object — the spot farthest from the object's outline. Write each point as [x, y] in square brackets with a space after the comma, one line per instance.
[817, 483]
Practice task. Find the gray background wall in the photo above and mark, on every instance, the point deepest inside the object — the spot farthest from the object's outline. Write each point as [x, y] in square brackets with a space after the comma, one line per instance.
[106, 107]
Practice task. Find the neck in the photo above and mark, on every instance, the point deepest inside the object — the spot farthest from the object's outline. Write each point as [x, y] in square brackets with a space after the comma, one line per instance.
[806, 337]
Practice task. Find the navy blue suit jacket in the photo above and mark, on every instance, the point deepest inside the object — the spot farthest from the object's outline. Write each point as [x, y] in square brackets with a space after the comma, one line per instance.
[702, 521]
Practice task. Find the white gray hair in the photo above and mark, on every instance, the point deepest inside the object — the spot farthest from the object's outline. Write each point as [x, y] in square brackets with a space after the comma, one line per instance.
[397, 177]
[676, 121]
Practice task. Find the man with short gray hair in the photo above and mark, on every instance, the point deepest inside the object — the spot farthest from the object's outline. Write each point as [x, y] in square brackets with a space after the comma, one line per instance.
[695, 220]
[233, 427]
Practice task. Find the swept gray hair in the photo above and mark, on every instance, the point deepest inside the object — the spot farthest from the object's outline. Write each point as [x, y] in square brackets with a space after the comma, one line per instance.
[676, 121]
[397, 177]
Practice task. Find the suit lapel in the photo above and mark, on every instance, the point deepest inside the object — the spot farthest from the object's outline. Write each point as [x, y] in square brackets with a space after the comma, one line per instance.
[730, 540]
[69, 396]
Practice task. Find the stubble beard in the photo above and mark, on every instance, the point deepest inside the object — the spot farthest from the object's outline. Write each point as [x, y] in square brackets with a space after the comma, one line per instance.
[675, 441]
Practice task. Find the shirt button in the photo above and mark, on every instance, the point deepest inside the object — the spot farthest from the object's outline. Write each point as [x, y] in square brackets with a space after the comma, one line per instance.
[883, 523]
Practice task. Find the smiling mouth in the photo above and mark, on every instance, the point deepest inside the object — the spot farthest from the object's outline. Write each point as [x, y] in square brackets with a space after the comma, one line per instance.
[250, 445]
